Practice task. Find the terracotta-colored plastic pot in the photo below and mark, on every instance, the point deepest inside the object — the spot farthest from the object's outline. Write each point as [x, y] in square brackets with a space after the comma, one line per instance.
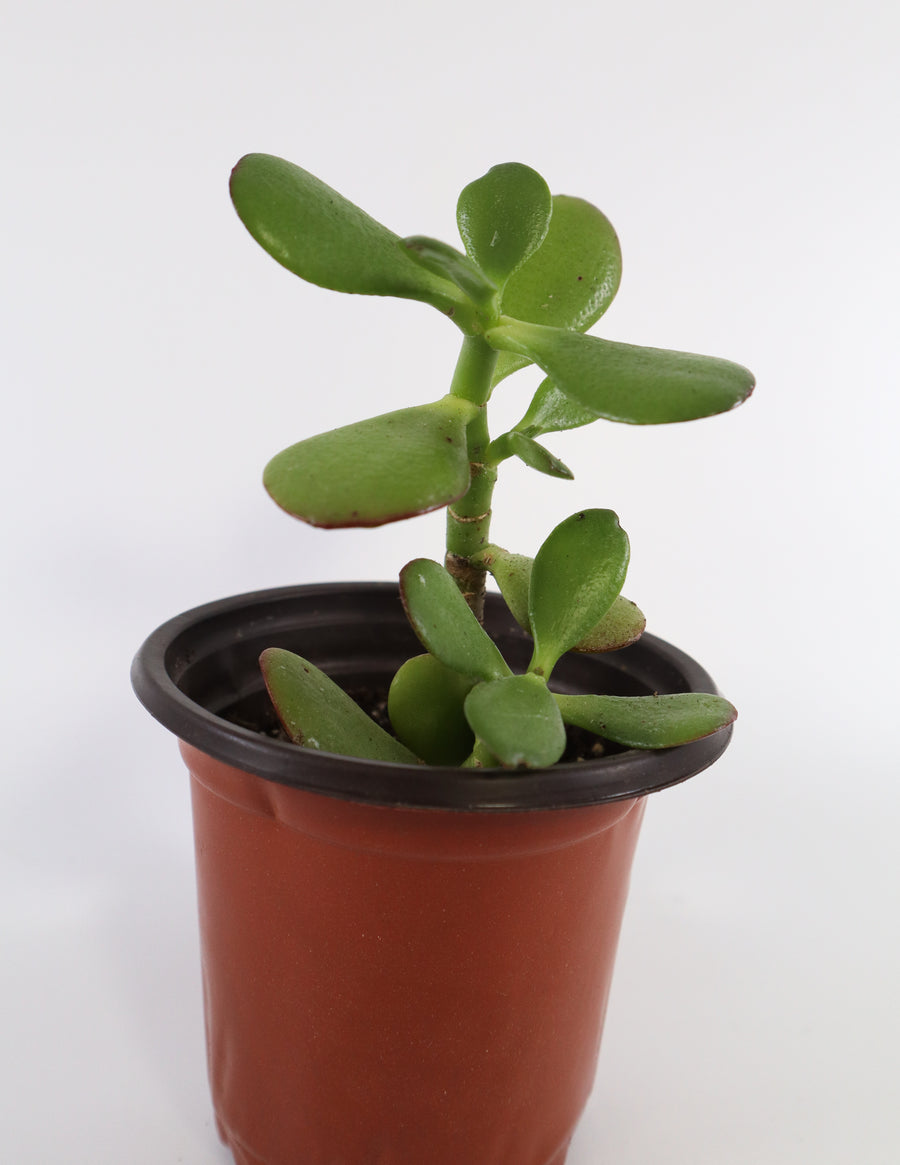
[401, 965]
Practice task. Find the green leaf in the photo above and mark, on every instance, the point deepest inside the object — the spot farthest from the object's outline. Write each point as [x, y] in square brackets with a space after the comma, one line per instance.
[649, 721]
[518, 720]
[537, 457]
[446, 261]
[441, 618]
[551, 411]
[322, 237]
[577, 573]
[503, 218]
[622, 624]
[621, 382]
[425, 705]
[380, 470]
[500, 449]
[318, 714]
[570, 281]
[512, 574]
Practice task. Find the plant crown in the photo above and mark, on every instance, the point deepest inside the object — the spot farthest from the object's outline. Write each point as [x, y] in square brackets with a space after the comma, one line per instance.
[537, 271]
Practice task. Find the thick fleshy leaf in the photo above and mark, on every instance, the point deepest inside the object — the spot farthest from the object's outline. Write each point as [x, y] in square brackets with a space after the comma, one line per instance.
[621, 382]
[570, 281]
[380, 470]
[519, 721]
[503, 218]
[322, 237]
[551, 411]
[316, 713]
[576, 575]
[649, 721]
[537, 457]
[622, 624]
[444, 623]
[425, 705]
[512, 574]
[451, 264]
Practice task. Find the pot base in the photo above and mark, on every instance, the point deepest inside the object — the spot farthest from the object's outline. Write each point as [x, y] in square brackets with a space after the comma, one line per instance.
[243, 1156]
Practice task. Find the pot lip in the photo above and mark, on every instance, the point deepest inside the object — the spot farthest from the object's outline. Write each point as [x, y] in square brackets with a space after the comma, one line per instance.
[629, 774]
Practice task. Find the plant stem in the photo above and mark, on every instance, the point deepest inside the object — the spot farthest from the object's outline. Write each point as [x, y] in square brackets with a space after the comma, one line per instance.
[469, 517]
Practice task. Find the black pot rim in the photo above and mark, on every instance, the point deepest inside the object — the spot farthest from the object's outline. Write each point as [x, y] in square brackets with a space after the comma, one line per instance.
[174, 648]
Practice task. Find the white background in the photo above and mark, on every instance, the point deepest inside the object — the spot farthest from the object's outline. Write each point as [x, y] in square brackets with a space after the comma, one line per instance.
[153, 358]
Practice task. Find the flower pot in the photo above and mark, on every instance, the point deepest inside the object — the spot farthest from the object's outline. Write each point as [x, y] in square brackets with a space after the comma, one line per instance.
[401, 965]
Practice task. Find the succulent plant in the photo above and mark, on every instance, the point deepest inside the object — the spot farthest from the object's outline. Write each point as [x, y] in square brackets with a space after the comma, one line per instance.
[535, 273]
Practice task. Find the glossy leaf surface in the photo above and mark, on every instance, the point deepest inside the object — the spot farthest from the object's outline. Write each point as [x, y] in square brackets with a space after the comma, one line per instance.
[571, 280]
[649, 721]
[551, 411]
[425, 705]
[528, 451]
[319, 235]
[519, 721]
[315, 712]
[535, 456]
[503, 218]
[445, 625]
[379, 470]
[576, 575]
[622, 382]
[446, 261]
[622, 624]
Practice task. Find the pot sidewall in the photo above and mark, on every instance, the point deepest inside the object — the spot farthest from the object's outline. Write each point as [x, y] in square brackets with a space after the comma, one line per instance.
[369, 1000]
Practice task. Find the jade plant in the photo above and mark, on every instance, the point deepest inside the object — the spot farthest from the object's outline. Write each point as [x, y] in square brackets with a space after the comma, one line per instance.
[535, 273]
